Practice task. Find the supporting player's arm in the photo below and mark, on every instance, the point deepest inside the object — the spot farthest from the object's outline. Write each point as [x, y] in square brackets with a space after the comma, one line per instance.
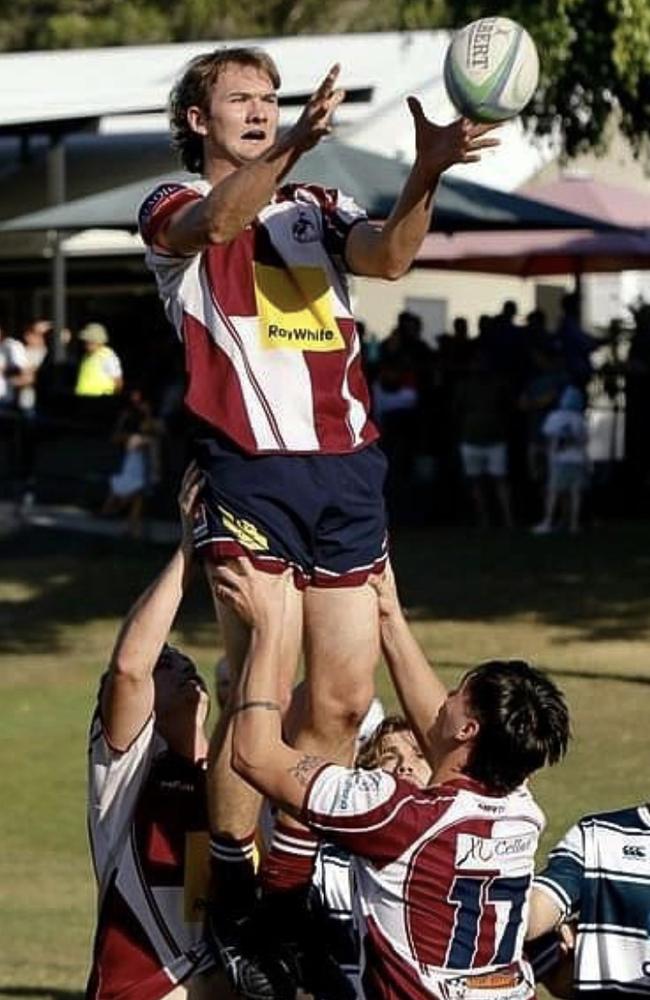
[544, 914]
[259, 753]
[235, 201]
[128, 692]
[388, 251]
[420, 691]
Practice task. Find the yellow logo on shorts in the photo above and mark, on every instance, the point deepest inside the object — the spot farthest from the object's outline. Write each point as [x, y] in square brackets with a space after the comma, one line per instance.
[294, 305]
[244, 531]
[197, 875]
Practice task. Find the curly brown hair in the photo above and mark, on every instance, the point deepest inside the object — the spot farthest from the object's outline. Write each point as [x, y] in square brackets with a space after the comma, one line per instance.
[370, 752]
[193, 89]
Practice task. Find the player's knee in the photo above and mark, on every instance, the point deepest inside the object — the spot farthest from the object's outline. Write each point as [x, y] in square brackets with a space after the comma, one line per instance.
[343, 710]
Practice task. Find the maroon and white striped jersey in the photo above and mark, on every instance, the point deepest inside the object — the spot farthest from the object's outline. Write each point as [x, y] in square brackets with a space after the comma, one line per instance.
[272, 353]
[148, 835]
[441, 879]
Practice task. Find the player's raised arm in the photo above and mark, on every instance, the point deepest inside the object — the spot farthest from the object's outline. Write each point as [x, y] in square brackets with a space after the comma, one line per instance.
[420, 691]
[243, 159]
[259, 753]
[388, 251]
[128, 694]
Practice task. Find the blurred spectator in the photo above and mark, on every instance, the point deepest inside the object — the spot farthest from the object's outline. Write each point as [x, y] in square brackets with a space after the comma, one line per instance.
[100, 371]
[35, 343]
[576, 345]
[138, 433]
[540, 394]
[370, 351]
[401, 406]
[482, 409]
[460, 346]
[13, 364]
[565, 429]
[637, 399]
[504, 343]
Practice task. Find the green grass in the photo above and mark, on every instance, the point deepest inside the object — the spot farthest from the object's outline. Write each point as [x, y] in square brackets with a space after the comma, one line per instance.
[578, 606]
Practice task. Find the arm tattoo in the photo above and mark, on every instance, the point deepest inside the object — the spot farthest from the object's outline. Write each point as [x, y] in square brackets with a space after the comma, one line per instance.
[305, 767]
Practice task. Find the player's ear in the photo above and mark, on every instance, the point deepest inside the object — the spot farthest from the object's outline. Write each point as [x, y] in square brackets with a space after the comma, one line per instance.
[468, 731]
[197, 121]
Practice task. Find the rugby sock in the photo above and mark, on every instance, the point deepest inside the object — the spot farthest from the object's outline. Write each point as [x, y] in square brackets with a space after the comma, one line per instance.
[290, 861]
[232, 872]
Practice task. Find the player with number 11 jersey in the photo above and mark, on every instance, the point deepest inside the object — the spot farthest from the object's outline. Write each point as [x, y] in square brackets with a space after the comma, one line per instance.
[442, 878]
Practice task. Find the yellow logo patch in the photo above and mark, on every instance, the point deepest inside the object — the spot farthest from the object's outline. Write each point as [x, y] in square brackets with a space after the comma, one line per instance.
[244, 531]
[197, 875]
[294, 305]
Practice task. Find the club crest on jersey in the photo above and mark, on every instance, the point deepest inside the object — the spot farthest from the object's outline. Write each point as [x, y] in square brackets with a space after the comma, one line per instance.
[294, 306]
[483, 853]
[304, 230]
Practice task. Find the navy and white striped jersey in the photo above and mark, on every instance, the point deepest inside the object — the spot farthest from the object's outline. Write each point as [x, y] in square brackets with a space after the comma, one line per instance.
[600, 873]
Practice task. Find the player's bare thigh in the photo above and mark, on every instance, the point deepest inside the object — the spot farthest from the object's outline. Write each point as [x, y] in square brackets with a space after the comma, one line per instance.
[236, 637]
[341, 643]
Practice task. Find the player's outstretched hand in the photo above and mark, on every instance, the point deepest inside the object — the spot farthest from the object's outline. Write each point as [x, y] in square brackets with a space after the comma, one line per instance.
[438, 147]
[315, 121]
[187, 497]
[258, 598]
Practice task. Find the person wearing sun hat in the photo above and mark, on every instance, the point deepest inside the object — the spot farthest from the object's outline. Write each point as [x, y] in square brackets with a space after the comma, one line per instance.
[100, 371]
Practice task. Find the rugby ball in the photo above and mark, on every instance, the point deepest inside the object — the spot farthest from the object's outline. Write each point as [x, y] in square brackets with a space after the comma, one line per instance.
[491, 69]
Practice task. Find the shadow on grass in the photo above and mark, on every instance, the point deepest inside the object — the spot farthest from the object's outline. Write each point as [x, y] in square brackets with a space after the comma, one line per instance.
[53, 580]
[594, 584]
[40, 991]
[567, 672]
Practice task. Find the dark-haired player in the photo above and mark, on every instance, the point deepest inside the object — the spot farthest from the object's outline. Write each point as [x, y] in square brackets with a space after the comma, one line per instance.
[443, 874]
[147, 813]
[253, 274]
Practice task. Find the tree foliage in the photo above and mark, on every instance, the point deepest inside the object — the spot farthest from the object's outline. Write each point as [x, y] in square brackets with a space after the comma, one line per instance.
[595, 54]
[595, 66]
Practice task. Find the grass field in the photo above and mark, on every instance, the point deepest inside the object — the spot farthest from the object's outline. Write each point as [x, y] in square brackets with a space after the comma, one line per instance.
[578, 606]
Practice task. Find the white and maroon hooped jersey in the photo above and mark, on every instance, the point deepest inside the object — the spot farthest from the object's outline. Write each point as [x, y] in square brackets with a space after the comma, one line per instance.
[442, 879]
[272, 353]
[147, 824]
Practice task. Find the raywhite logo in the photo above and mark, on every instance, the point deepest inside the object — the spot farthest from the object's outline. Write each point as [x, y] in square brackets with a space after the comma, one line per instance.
[483, 853]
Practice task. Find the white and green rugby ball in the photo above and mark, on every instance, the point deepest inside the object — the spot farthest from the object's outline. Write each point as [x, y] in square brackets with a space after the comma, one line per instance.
[491, 69]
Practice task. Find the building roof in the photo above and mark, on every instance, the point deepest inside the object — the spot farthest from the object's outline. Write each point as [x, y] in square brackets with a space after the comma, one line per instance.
[42, 91]
[373, 181]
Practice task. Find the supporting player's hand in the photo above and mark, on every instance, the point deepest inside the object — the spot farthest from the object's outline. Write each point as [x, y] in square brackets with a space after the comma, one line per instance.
[187, 496]
[438, 147]
[258, 598]
[386, 589]
[315, 121]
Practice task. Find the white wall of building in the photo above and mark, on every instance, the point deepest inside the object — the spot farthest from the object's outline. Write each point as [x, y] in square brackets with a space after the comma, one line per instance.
[378, 302]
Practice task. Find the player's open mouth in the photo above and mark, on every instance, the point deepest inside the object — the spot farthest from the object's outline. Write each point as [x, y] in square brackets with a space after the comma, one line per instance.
[254, 134]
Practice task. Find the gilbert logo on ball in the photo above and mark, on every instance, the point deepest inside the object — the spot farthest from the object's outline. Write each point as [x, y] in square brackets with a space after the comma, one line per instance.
[491, 69]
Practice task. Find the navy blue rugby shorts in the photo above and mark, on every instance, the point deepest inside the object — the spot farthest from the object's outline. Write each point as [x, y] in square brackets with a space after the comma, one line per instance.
[322, 515]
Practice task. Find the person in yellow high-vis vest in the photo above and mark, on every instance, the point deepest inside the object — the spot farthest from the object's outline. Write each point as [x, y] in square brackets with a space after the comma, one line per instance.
[100, 371]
